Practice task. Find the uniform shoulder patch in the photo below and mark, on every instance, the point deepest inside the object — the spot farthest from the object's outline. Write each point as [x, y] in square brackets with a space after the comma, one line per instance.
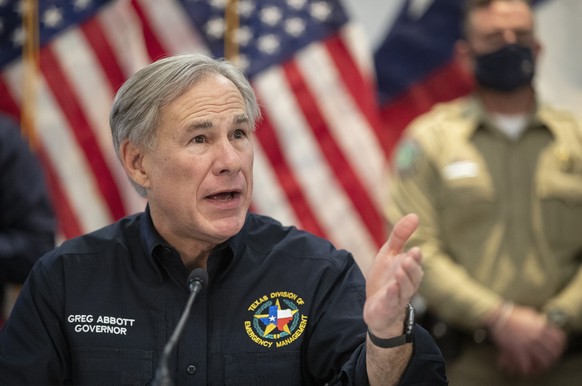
[407, 154]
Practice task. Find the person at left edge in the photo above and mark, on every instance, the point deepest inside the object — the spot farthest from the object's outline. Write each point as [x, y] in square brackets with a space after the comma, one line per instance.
[27, 220]
[282, 306]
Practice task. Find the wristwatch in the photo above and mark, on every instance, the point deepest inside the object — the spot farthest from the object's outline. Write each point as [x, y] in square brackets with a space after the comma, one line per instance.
[398, 340]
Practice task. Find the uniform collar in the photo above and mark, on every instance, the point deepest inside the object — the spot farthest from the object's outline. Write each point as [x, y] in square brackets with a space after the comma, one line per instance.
[478, 119]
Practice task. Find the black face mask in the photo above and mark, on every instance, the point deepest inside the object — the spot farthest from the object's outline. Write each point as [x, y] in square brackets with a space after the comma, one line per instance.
[505, 69]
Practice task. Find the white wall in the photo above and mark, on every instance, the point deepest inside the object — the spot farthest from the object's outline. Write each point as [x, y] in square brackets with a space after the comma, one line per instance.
[374, 15]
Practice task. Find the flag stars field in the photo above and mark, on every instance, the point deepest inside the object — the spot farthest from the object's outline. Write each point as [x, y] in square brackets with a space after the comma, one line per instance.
[52, 17]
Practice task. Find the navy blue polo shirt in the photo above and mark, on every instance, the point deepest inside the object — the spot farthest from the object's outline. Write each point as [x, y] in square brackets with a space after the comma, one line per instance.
[282, 307]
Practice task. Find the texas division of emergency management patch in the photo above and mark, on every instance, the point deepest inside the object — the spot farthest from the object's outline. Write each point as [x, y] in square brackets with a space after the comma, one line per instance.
[276, 320]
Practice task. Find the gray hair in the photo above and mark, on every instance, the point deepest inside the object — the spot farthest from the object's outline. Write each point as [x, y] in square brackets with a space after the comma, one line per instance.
[137, 104]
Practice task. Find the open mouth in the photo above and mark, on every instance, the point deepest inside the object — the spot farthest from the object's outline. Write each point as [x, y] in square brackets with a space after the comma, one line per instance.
[224, 196]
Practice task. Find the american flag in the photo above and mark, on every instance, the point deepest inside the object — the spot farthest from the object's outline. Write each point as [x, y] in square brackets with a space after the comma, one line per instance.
[320, 151]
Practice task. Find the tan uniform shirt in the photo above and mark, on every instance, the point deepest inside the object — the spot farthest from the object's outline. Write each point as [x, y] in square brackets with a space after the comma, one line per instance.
[500, 219]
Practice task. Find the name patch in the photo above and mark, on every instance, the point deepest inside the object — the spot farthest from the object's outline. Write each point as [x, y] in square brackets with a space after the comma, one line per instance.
[100, 324]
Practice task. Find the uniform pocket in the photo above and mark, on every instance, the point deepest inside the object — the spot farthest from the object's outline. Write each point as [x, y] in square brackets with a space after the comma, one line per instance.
[262, 369]
[561, 207]
[467, 192]
[111, 366]
[463, 201]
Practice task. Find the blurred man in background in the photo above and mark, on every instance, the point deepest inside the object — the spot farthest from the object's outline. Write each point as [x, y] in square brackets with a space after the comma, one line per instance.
[496, 179]
[27, 222]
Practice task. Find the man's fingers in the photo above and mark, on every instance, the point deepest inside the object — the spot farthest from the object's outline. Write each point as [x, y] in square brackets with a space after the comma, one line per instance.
[405, 279]
[416, 254]
[401, 233]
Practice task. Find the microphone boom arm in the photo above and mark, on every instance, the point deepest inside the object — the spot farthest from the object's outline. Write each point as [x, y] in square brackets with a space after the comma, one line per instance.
[196, 281]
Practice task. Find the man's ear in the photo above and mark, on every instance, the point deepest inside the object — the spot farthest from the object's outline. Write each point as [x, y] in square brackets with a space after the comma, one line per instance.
[132, 160]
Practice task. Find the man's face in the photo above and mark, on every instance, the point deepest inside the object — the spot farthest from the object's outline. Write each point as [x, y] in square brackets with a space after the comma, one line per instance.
[499, 24]
[200, 172]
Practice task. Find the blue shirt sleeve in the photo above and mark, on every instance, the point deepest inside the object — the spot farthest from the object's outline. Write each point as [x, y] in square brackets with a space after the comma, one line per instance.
[426, 367]
[341, 334]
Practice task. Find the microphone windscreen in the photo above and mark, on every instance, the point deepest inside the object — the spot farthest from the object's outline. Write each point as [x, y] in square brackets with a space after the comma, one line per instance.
[197, 275]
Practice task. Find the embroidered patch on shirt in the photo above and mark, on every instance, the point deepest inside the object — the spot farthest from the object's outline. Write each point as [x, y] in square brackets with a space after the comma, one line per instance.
[100, 324]
[461, 169]
[406, 156]
[276, 320]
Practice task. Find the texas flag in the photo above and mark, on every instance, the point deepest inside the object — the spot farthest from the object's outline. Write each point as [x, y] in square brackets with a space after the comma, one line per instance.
[277, 318]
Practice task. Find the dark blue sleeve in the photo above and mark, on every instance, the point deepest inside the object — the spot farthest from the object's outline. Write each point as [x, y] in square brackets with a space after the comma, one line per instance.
[27, 221]
[426, 367]
[340, 333]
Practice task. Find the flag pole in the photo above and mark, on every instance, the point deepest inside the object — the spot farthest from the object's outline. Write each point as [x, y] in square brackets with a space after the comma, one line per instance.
[231, 49]
[31, 60]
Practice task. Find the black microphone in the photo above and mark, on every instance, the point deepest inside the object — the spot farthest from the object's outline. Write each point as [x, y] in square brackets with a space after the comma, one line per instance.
[197, 280]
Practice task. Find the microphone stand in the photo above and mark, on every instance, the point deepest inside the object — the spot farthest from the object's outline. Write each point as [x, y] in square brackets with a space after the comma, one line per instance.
[197, 280]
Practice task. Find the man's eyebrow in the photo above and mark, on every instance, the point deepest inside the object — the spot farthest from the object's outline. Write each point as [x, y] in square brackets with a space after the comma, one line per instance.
[241, 118]
[199, 125]
[207, 124]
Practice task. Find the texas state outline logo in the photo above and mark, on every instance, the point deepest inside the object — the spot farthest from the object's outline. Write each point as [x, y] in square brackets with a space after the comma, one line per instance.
[276, 320]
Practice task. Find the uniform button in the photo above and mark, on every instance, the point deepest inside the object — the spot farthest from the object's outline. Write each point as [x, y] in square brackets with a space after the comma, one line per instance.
[191, 369]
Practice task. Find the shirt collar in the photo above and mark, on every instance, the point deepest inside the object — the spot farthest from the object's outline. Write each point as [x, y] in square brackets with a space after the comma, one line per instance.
[166, 258]
[162, 255]
[225, 255]
[150, 238]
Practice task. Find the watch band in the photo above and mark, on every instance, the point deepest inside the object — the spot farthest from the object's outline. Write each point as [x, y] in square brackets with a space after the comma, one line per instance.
[397, 340]
[390, 342]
